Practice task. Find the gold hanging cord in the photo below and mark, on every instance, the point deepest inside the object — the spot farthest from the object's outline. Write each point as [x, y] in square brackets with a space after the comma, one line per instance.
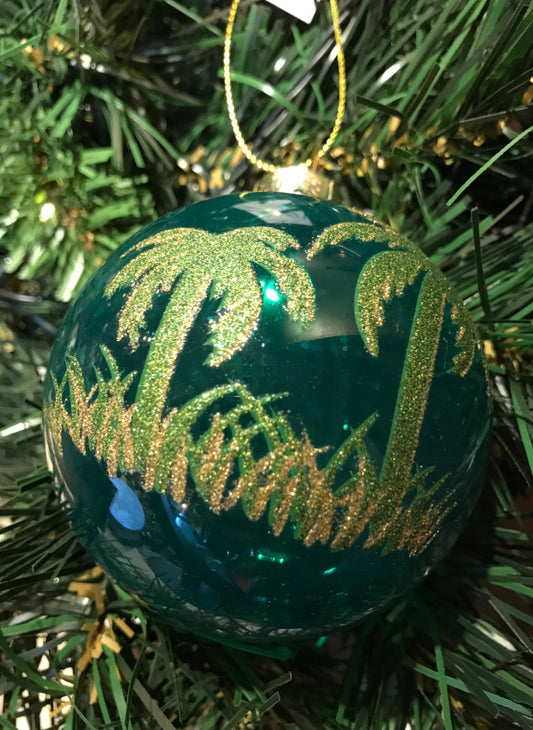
[245, 148]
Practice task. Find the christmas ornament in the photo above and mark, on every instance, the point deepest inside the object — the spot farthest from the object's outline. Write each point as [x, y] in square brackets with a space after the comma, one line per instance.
[267, 415]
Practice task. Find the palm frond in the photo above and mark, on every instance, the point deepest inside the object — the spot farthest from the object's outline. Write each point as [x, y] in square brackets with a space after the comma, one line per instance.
[237, 315]
[384, 275]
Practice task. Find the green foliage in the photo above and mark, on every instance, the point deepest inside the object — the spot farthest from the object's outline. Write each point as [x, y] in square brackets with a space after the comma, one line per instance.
[96, 102]
[121, 92]
[90, 207]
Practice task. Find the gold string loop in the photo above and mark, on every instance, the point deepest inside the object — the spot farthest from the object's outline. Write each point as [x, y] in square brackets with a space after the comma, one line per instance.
[243, 145]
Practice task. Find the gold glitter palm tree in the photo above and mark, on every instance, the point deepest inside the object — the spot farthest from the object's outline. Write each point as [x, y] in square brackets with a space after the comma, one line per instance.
[193, 264]
[386, 275]
[283, 478]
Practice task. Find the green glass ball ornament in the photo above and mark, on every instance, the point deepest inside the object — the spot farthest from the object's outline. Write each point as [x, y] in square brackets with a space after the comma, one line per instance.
[267, 416]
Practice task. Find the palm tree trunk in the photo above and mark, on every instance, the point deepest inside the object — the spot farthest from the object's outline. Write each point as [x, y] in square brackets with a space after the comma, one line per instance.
[169, 339]
[412, 398]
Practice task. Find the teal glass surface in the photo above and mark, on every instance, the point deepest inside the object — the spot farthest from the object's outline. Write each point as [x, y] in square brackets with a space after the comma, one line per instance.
[379, 411]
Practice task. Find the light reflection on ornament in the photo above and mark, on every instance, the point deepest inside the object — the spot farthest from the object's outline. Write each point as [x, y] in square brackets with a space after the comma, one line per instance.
[271, 557]
[204, 560]
[271, 294]
[126, 507]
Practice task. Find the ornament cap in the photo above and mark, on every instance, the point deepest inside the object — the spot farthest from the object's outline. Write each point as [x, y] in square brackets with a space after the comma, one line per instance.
[296, 179]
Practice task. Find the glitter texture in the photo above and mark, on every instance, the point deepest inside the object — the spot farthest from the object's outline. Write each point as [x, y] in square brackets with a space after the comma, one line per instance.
[395, 507]
[192, 264]
[385, 275]
[388, 274]
[286, 481]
